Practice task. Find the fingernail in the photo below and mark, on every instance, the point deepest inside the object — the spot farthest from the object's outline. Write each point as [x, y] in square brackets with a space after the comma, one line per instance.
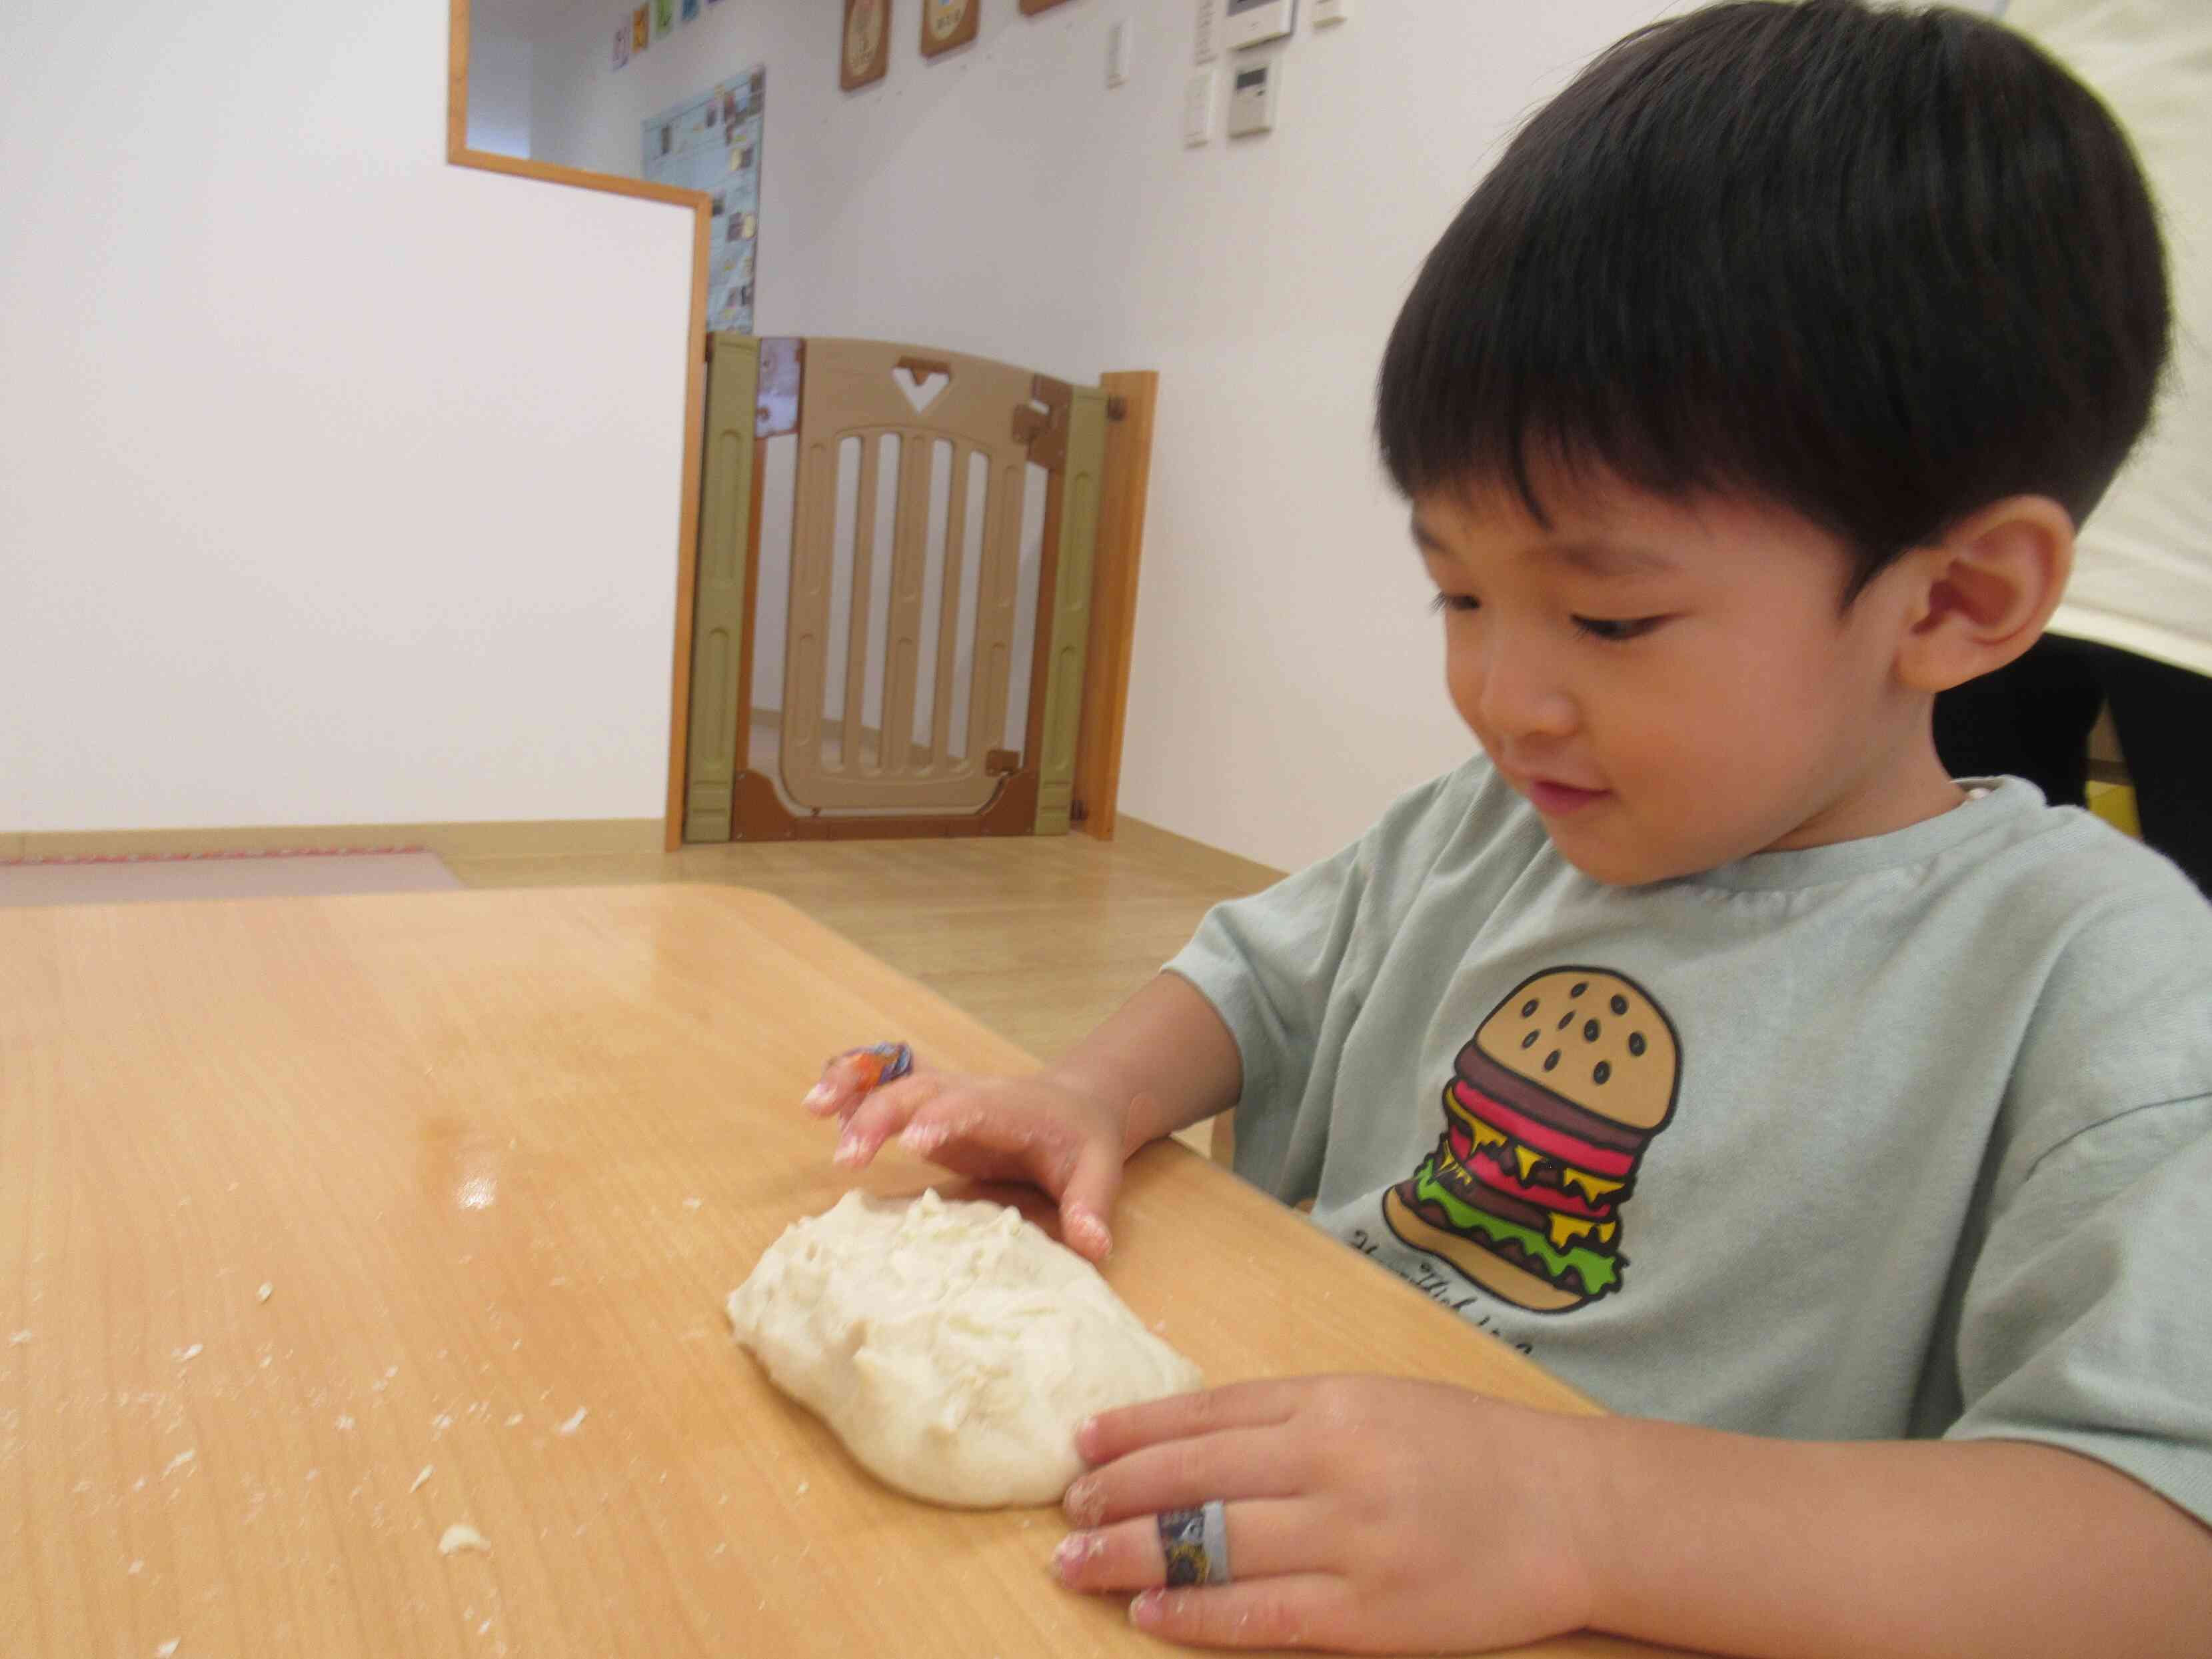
[1145, 1609]
[1073, 1550]
[818, 1095]
[1089, 1230]
[848, 1152]
[1084, 1504]
[924, 1138]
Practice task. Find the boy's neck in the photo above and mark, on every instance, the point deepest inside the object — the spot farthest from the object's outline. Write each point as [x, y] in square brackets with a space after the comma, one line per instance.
[1897, 791]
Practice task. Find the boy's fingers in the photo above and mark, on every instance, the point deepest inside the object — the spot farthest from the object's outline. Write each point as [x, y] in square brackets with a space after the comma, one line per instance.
[1298, 1610]
[1265, 1537]
[848, 1078]
[1088, 1200]
[1262, 1404]
[1234, 1466]
[1053, 1156]
[945, 1115]
[844, 1084]
[880, 1116]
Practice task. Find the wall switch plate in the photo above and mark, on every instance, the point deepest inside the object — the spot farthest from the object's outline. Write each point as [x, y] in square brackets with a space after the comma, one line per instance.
[1252, 98]
[1249, 22]
[1117, 52]
[1327, 12]
[1209, 32]
[1198, 109]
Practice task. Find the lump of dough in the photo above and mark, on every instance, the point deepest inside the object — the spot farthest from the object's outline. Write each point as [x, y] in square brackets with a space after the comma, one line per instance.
[954, 1347]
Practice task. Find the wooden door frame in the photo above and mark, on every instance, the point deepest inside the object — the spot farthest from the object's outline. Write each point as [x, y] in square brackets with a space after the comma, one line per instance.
[1102, 724]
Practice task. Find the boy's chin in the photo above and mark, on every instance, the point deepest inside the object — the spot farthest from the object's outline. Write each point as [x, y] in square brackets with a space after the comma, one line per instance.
[1623, 872]
[1623, 864]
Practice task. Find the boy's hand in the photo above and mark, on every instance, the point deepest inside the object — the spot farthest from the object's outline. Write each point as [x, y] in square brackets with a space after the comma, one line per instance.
[1365, 1513]
[1068, 1143]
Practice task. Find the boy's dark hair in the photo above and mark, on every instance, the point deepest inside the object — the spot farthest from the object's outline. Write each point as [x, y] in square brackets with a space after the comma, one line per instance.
[1880, 268]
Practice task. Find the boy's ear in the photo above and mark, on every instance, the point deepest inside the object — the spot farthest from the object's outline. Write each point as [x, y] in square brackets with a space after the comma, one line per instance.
[1982, 594]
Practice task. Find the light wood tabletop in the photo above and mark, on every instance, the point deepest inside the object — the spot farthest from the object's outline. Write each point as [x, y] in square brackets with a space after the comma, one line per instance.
[329, 1225]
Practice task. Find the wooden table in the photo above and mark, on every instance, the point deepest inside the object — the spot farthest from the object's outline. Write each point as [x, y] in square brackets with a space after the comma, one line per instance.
[326, 1224]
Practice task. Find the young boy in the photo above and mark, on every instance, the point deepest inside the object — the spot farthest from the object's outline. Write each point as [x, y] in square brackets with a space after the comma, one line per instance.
[1846, 1128]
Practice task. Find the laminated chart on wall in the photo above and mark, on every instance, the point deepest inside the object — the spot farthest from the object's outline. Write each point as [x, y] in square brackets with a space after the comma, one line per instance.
[712, 142]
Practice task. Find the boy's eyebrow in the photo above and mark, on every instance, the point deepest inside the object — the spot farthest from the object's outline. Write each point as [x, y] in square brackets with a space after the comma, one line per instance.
[1609, 559]
[1598, 558]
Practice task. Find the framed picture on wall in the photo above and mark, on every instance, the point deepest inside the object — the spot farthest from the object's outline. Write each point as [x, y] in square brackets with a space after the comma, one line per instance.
[948, 23]
[867, 48]
[641, 30]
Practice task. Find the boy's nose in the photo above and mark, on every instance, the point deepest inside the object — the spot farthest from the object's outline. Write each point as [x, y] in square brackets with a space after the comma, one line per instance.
[1512, 695]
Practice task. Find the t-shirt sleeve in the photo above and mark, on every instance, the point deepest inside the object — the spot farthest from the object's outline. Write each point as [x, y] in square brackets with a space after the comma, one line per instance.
[1268, 963]
[2086, 1324]
[1279, 966]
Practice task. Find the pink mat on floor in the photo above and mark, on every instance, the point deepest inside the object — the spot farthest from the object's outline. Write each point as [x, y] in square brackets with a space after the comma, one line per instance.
[305, 873]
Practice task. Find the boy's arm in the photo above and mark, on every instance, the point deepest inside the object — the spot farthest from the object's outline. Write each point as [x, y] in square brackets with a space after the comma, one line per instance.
[1738, 1545]
[1165, 1057]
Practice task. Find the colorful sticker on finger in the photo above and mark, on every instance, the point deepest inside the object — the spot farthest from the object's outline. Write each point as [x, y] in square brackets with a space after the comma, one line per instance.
[1195, 1543]
[880, 1063]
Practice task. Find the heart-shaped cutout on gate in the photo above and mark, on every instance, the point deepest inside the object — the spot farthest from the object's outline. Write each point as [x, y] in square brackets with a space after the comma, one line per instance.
[923, 391]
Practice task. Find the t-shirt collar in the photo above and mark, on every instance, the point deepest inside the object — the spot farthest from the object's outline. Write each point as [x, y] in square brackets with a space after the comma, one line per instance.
[1916, 843]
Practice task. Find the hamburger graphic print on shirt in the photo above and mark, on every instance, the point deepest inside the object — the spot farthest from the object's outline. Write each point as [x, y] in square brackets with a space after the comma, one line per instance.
[1546, 1116]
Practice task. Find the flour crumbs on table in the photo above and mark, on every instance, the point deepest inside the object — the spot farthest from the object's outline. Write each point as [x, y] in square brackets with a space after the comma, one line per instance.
[461, 1536]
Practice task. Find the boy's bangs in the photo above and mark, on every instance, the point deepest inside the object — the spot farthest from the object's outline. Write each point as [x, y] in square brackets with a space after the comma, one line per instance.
[1513, 428]
[1494, 382]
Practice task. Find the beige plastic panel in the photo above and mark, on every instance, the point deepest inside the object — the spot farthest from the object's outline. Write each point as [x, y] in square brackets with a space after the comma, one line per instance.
[851, 391]
[1070, 621]
[723, 522]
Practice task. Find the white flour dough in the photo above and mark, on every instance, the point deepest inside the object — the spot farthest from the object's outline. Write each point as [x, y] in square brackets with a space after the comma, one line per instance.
[954, 1347]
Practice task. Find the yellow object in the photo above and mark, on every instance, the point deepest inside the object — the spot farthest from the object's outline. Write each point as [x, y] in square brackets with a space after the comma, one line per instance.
[1567, 1229]
[2115, 803]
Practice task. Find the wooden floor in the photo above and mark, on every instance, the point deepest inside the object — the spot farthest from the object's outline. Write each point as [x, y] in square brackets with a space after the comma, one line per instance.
[1039, 937]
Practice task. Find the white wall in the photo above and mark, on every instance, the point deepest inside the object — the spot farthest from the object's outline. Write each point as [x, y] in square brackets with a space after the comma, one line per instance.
[336, 484]
[1287, 679]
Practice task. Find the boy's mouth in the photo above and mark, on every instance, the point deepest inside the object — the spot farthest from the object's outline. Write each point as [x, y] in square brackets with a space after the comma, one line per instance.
[1557, 799]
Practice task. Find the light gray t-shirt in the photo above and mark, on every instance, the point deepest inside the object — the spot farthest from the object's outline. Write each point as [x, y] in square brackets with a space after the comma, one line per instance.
[1909, 1136]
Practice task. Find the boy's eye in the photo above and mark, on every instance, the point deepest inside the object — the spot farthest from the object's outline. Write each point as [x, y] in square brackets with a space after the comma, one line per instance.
[1460, 602]
[1614, 629]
